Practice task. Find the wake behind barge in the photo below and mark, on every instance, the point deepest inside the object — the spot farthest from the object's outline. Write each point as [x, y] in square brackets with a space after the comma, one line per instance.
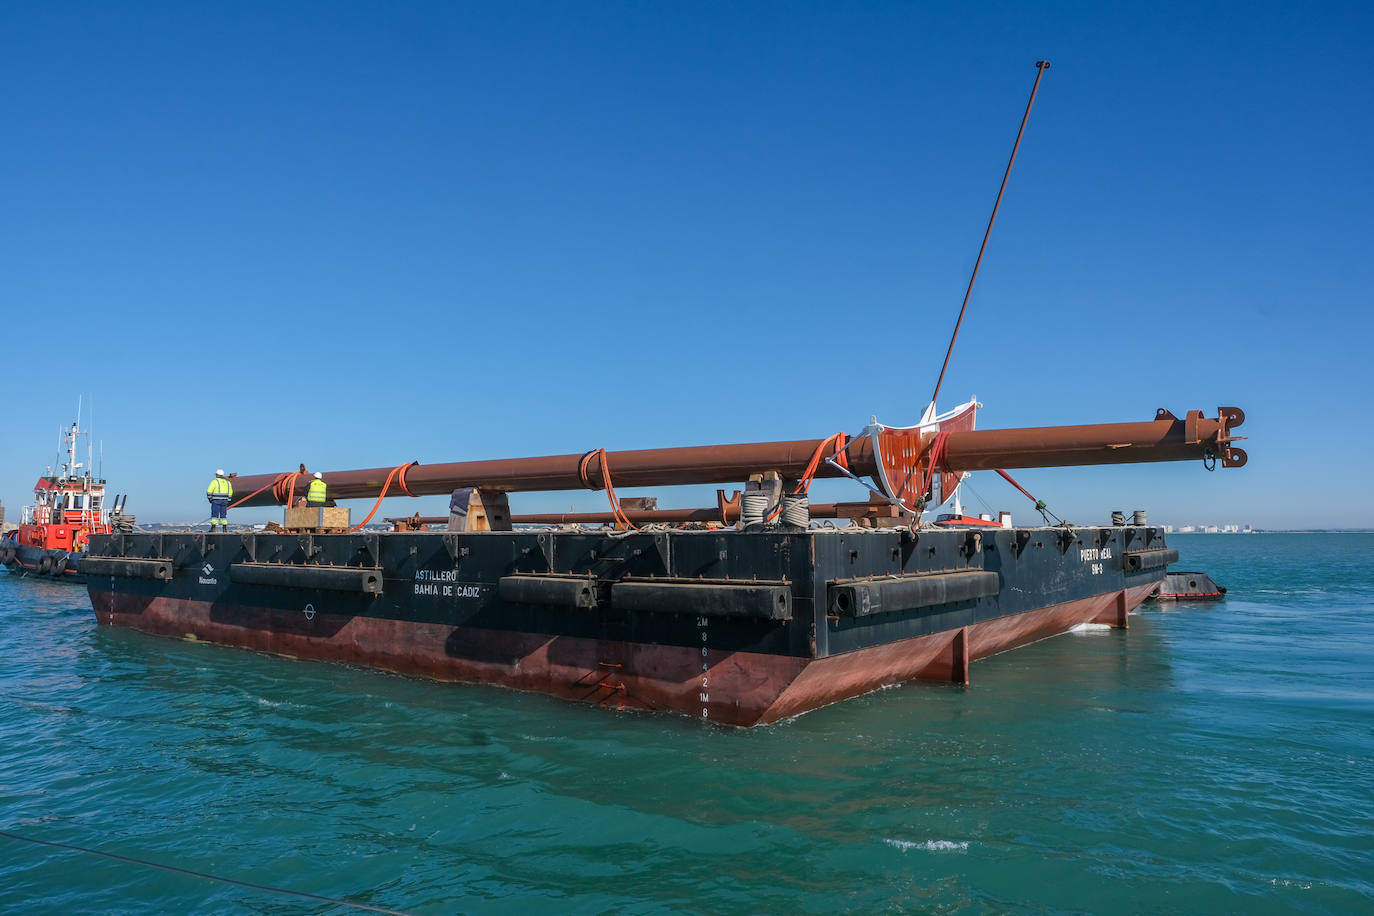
[734, 626]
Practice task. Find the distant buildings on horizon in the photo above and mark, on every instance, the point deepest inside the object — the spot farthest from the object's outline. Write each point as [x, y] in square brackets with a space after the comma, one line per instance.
[1208, 529]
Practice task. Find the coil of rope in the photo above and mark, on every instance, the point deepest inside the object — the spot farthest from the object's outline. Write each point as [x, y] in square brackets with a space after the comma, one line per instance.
[599, 455]
[291, 494]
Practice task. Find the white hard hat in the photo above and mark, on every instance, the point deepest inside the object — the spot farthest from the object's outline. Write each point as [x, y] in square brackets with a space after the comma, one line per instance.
[220, 472]
[319, 476]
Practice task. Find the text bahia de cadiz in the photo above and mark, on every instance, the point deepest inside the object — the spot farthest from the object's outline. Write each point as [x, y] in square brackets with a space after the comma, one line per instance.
[442, 583]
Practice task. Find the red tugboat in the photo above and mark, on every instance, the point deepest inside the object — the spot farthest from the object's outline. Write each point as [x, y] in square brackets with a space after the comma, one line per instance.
[54, 532]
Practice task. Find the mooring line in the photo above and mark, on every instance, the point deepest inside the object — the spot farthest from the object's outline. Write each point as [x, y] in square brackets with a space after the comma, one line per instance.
[200, 874]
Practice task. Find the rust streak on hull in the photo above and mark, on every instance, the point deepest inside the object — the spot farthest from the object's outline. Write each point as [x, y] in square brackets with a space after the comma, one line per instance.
[934, 657]
[762, 688]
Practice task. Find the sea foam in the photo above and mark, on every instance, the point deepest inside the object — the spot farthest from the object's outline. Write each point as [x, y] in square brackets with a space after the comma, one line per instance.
[928, 845]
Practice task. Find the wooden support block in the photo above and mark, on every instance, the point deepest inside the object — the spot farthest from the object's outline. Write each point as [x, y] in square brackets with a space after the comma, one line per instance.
[328, 518]
[488, 510]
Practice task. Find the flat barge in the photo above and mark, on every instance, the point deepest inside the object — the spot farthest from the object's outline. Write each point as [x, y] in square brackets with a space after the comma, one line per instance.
[762, 614]
[741, 628]
[743, 613]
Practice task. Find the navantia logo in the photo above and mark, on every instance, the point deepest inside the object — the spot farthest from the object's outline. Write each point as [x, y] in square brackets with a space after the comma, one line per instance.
[209, 575]
[208, 569]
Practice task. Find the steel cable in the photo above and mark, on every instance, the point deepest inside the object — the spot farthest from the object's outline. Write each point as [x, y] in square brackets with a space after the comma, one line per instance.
[201, 874]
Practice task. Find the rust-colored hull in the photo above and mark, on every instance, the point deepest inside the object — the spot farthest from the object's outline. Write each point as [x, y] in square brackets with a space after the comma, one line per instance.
[730, 687]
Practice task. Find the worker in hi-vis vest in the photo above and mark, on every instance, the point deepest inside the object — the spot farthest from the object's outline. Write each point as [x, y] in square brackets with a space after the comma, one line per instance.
[314, 497]
[220, 491]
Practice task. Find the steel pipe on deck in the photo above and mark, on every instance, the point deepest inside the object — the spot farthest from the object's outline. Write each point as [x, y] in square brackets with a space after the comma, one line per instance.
[1165, 438]
[727, 514]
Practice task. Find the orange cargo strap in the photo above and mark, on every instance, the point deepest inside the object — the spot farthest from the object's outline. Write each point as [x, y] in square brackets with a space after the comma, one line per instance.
[398, 473]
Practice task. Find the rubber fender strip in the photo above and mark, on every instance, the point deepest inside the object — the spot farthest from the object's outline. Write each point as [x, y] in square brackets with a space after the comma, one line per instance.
[159, 568]
[862, 597]
[1135, 560]
[747, 599]
[555, 591]
[365, 579]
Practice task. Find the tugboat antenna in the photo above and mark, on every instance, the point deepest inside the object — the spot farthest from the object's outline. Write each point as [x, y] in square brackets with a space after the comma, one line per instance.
[1040, 67]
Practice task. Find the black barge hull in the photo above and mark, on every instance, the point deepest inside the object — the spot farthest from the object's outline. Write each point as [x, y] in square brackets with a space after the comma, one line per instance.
[738, 628]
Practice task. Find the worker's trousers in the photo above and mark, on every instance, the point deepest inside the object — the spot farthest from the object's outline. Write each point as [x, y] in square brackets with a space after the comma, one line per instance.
[219, 511]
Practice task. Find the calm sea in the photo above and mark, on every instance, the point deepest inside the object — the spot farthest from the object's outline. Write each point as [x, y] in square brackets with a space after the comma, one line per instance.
[1215, 758]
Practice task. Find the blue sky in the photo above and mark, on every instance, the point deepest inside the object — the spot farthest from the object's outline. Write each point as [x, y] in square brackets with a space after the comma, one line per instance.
[360, 234]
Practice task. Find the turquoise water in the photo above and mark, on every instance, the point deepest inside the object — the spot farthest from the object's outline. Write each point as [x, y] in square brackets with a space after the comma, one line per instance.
[1215, 758]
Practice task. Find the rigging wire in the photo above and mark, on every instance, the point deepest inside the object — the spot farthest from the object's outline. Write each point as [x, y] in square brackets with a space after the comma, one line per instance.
[201, 874]
[976, 495]
[1039, 503]
[1040, 67]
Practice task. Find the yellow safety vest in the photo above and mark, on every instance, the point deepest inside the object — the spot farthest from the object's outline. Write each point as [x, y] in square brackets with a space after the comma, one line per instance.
[220, 486]
[315, 495]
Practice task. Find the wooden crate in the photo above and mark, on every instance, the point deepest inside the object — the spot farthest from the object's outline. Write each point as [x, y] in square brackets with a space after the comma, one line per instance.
[329, 518]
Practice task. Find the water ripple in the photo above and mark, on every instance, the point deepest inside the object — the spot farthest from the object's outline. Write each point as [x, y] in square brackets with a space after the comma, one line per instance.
[1214, 758]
